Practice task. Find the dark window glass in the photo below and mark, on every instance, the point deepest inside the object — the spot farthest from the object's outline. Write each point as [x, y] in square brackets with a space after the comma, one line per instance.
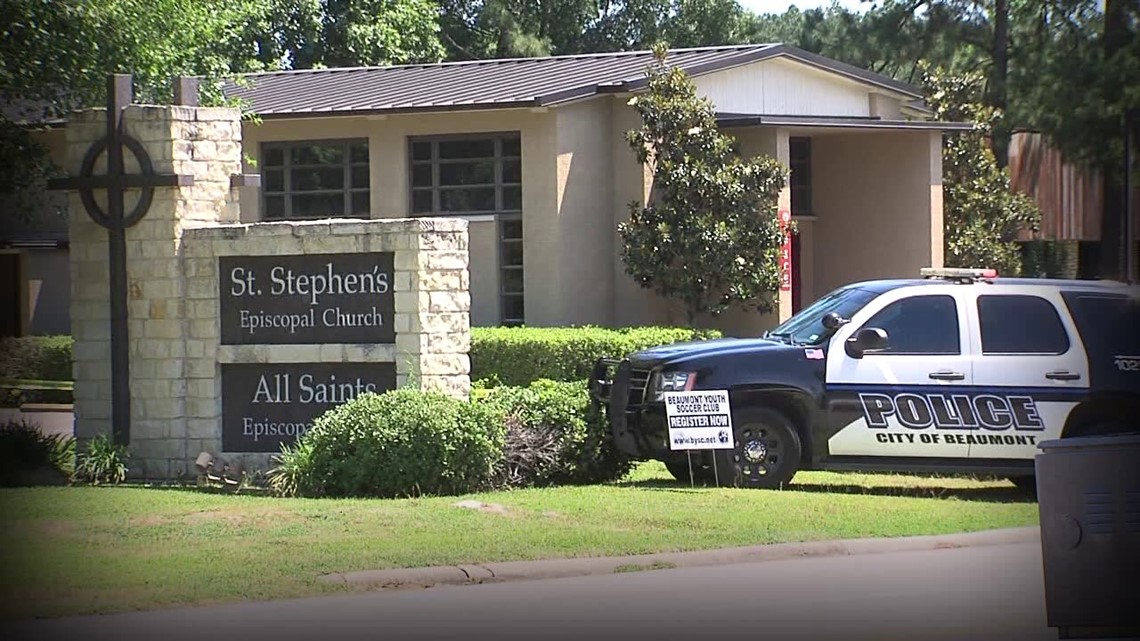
[467, 148]
[512, 198]
[274, 180]
[512, 171]
[274, 157]
[314, 180]
[920, 325]
[1020, 325]
[1108, 324]
[317, 179]
[512, 229]
[421, 176]
[316, 155]
[274, 207]
[799, 182]
[512, 281]
[421, 201]
[512, 310]
[318, 205]
[476, 175]
[467, 173]
[512, 254]
[360, 178]
[473, 199]
[358, 153]
[360, 204]
[421, 151]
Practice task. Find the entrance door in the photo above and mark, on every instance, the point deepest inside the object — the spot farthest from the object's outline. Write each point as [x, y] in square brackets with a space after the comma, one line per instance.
[10, 295]
[899, 401]
[1035, 367]
[796, 301]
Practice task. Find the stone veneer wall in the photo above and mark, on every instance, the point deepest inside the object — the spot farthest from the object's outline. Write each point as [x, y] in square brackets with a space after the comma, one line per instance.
[173, 290]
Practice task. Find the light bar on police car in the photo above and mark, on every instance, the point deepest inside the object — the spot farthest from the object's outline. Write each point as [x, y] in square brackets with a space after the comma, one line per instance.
[957, 272]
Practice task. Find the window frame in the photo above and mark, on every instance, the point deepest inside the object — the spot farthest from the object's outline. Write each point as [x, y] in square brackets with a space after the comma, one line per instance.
[870, 323]
[800, 168]
[500, 214]
[498, 184]
[287, 193]
[1051, 305]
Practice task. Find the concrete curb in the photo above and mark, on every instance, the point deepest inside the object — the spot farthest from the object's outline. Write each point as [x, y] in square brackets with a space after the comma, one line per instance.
[563, 568]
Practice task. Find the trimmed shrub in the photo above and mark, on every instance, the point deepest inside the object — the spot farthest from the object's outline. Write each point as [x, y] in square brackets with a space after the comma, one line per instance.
[30, 457]
[44, 358]
[400, 443]
[521, 355]
[554, 435]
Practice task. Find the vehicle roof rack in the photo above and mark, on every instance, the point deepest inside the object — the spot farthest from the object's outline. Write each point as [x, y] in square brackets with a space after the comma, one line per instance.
[960, 274]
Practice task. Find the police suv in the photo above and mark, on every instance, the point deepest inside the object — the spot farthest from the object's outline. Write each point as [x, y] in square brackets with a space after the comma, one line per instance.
[958, 371]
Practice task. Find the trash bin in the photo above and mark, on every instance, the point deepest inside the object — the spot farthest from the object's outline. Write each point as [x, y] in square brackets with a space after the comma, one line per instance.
[1088, 493]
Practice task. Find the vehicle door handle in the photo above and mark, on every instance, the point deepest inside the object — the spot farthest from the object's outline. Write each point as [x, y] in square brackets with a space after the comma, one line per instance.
[947, 376]
[1062, 375]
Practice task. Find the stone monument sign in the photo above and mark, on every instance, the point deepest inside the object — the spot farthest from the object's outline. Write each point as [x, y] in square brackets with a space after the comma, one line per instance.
[240, 335]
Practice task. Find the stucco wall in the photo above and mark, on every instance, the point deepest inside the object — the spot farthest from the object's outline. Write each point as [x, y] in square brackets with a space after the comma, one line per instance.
[388, 159]
[878, 200]
[581, 243]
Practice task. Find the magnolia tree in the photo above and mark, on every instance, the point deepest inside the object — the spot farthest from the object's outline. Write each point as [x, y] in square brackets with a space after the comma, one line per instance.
[982, 213]
[710, 237]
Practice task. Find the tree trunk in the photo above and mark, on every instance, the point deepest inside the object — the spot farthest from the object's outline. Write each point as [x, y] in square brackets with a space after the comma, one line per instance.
[998, 81]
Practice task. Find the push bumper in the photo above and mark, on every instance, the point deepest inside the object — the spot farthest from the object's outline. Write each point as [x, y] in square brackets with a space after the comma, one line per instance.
[639, 427]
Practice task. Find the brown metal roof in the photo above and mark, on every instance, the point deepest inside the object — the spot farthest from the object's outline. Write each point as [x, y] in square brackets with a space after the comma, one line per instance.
[484, 84]
[839, 122]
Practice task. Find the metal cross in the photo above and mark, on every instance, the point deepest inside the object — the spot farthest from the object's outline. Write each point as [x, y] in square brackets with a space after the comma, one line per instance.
[116, 181]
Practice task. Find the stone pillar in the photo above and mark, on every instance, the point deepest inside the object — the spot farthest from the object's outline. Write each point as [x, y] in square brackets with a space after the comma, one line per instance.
[201, 142]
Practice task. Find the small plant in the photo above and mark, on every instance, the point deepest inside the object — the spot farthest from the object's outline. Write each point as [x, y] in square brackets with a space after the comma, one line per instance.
[102, 463]
[288, 477]
[27, 455]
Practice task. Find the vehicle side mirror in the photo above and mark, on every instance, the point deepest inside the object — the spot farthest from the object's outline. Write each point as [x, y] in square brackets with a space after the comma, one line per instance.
[866, 340]
[834, 321]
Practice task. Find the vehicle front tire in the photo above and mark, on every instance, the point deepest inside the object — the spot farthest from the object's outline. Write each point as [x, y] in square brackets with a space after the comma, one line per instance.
[680, 471]
[767, 452]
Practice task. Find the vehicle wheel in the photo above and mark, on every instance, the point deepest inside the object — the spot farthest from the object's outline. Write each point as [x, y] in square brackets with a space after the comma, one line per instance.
[767, 452]
[680, 470]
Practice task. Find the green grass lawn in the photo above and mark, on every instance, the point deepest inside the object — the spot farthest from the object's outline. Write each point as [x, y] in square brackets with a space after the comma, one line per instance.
[72, 550]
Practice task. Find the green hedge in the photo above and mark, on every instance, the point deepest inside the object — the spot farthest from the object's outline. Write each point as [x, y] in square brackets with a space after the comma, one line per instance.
[403, 442]
[521, 355]
[45, 358]
[554, 435]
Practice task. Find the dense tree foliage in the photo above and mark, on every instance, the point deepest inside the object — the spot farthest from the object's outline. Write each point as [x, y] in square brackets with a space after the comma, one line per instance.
[710, 237]
[982, 214]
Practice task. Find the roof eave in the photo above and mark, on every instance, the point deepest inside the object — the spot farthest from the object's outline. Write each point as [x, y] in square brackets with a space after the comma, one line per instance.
[387, 111]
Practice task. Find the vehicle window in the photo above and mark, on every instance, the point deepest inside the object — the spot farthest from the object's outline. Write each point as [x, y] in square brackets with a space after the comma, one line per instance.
[807, 328]
[1108, 324]
[920, 325]
[1020, 325]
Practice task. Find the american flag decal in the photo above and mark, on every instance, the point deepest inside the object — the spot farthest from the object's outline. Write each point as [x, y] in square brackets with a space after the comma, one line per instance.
[813, 354]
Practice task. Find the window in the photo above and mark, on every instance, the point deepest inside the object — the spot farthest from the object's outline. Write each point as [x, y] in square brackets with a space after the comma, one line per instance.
[323, 179]
[511, 271]
[920, 325]
[1020, 325]
[799, 153]
[476, 175]
[466, 175]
